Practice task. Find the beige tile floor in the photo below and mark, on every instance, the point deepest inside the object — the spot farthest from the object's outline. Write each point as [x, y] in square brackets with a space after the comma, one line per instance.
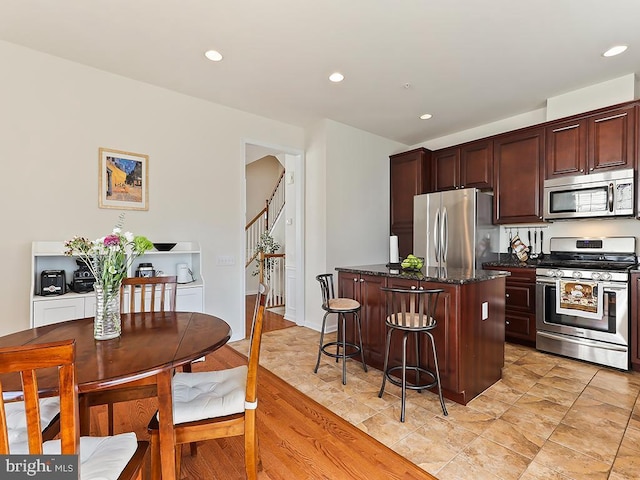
[548, 418]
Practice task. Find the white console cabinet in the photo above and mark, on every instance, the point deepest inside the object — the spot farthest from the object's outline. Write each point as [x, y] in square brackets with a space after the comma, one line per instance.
[71, 305]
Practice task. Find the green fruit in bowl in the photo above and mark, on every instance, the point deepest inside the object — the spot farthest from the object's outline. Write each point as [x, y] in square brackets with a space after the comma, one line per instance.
[412, 262]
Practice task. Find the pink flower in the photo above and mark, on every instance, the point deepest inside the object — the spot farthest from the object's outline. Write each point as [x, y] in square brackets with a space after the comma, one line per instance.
[111, 241]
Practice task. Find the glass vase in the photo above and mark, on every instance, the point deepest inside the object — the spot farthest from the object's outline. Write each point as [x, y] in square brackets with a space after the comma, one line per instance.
[106, 324]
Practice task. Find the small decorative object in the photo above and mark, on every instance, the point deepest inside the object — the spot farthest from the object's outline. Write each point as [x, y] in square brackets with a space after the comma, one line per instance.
[164, 247]
[109, 259]
[266, 244]
[123, 180]
[412, 263]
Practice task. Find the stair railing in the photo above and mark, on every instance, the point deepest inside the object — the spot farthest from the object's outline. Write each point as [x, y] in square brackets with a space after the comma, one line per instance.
[275, 203]
[254, 229]
[264, 220]
[272, 272]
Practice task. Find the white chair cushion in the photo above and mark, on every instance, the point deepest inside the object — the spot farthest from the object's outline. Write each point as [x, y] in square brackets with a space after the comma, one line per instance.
[17, 420]
[101, 458]
[201, 395]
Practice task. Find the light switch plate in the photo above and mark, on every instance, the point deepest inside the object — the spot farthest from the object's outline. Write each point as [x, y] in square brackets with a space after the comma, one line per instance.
[225, 260]
[485, 310]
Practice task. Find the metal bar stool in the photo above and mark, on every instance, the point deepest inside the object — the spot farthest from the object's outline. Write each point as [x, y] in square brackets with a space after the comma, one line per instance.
[411, 311]
[341, 307]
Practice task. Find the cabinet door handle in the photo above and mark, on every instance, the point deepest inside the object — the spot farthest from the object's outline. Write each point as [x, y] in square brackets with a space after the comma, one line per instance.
[413, 287]
[611, 117]
[355, 279]
[565, 128]
[362, 280]
[507, 322]
[506, 295]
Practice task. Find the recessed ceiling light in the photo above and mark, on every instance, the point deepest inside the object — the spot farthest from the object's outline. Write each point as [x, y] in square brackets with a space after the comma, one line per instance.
[336, 77]
[426, 116]
[617, 50]
[213, 55]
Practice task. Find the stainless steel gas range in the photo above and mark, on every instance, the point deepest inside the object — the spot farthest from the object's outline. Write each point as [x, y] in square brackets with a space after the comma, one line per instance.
[582, 299]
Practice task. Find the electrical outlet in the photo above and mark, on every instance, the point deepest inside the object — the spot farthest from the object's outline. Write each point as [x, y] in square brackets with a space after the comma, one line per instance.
[225, 260]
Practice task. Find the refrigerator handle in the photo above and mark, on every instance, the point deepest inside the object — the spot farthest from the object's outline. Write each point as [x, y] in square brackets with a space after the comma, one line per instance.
[444, 243]
[436, 235]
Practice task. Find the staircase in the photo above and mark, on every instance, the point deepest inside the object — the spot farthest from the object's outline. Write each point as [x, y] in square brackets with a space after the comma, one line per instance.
[271, 268]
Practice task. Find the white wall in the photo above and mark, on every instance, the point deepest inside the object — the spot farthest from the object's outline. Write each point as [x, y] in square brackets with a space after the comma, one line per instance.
[358, 188]
[603, 94]
[315, 227]
[55, 115]
[347, 221]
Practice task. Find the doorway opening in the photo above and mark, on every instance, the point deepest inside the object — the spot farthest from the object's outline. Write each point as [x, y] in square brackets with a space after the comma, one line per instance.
[264, 164]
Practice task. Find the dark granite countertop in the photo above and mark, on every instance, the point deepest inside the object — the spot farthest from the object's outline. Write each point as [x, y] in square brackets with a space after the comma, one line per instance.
[506, 260]
[428, 274]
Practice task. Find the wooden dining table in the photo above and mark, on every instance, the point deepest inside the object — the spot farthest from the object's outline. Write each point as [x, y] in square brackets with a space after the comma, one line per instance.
[150, 347]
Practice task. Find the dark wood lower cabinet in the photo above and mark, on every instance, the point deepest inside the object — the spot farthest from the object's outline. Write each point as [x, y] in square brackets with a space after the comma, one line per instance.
[634, 293]
[470, 349]
[520, 305]
[366, 290]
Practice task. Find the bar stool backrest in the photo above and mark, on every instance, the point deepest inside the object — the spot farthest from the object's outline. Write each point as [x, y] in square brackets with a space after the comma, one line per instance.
[326, 285]
[411, 308]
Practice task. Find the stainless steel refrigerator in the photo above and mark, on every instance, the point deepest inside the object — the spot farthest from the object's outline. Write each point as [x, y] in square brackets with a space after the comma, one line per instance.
[453, 229]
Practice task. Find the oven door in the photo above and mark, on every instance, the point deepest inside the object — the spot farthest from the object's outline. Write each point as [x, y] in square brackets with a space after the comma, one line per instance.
[612, 327]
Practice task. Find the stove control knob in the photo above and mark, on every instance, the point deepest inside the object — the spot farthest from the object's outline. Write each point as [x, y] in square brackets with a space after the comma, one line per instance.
[605, 276]
[576, 274]
[558, 274]
[596, 276]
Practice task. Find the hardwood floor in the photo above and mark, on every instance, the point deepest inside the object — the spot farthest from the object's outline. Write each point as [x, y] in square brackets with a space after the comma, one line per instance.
[299, 438]
[272, 321]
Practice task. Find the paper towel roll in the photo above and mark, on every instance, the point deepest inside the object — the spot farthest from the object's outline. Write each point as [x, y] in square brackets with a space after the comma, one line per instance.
[393, 249]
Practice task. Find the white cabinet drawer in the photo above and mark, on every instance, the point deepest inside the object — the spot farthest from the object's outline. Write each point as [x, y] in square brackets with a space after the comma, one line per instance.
[46, 312]
[189, 300]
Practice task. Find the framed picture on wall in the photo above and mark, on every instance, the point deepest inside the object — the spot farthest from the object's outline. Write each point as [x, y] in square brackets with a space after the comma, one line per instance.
[123, 180]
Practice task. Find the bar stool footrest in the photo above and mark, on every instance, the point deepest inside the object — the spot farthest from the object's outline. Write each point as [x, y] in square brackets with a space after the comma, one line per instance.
[412, 386]
[348, 345]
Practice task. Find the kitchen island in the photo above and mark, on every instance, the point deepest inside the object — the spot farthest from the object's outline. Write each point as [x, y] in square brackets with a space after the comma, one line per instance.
[470, 314]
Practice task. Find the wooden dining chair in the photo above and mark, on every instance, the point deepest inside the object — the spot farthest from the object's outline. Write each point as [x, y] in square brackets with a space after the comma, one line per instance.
[119, 457]
[155, 286]
[146, 294]
[217, 404]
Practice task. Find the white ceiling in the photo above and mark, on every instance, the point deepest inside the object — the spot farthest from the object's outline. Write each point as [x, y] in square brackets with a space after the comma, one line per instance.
[467, 62]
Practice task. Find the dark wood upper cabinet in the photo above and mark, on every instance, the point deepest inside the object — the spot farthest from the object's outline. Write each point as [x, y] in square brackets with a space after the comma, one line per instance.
[591, 144]
[446, 169]
[409, 176]
[518, 173]
[466, 166]
[476, 164]
[566, 150]
[611, 140]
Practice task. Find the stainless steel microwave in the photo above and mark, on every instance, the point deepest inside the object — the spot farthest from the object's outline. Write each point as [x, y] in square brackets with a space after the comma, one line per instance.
[606, 194]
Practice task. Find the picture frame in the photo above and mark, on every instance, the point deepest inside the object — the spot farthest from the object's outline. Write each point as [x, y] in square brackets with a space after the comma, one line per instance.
[123, 180]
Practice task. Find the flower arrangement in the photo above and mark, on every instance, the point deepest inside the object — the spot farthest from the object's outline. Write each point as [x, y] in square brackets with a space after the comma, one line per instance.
[109, 257]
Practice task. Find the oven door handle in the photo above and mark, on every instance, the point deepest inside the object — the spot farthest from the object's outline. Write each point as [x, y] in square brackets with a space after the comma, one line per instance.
[610, 197]
[583, 341]
[607, 286]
